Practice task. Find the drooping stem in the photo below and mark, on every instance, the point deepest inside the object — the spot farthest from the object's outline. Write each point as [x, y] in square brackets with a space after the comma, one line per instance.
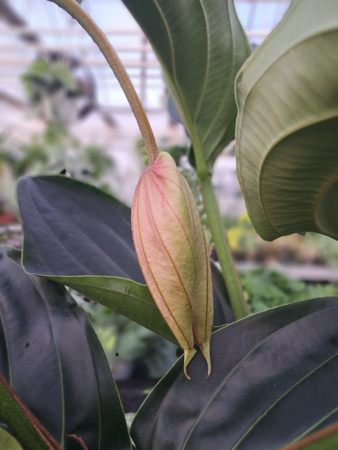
[76, 11]
[238, 303]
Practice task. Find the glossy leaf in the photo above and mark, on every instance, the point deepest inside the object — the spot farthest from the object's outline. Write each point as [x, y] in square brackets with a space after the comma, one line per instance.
[53, 360]
[72, 228]
[133, 300]
[287, 128]
[126, 297]
[201, 46]
[273, 380]
[68, 226]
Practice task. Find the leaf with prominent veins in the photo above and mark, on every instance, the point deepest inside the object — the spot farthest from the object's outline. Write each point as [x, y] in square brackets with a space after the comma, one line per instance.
[287, 128]
[201, 46]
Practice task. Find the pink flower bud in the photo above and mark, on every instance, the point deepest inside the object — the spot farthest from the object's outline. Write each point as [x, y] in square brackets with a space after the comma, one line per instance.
[173, 255]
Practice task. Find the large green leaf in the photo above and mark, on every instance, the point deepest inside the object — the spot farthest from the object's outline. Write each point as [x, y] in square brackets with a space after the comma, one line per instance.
[134, 300]
[77, 235]
[126, 297]
[53, 360]
[273, 379]
[201, 46]
[73, 231]
[287, 128]
[72, 228]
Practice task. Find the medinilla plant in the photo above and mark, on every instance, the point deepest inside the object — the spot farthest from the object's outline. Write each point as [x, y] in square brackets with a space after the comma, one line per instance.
[270, 379]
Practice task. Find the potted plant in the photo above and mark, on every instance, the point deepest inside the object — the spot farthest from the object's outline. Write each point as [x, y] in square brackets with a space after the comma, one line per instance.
[261, 381]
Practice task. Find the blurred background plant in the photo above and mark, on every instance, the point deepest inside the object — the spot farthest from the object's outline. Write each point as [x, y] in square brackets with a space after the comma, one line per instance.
[58, 97]
[246, 245]
[264, 288]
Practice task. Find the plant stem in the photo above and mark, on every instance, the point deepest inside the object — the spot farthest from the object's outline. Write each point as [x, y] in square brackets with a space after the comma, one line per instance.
[216, 226]
[232, 282]
[76, 11]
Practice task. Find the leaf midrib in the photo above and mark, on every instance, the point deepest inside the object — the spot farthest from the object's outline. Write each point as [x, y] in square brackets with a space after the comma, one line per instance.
[234, 370]
[287, 392]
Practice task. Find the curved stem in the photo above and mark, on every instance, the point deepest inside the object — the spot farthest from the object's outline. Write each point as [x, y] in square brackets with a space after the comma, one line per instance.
[238, 303]
[75, 10]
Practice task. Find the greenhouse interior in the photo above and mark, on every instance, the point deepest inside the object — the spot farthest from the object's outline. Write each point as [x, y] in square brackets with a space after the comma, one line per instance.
[74, 154]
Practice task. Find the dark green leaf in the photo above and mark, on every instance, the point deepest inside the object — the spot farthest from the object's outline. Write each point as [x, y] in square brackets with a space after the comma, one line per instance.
[54, 362]
[70, 227]
[201, 46]
[273, 380]
[134, 301]
[126, 297]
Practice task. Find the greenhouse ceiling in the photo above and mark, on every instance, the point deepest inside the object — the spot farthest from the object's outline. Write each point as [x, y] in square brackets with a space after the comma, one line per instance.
[32, 28]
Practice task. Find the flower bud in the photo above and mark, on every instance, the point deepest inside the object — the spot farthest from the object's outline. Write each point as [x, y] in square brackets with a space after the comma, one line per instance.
[173, 255]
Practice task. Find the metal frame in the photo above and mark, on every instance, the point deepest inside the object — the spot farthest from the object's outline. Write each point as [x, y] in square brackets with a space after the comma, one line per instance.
[16, 55]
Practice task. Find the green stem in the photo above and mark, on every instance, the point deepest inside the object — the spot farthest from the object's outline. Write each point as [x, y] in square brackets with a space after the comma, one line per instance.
[75, 10]
[238, 303]
[232, 282]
